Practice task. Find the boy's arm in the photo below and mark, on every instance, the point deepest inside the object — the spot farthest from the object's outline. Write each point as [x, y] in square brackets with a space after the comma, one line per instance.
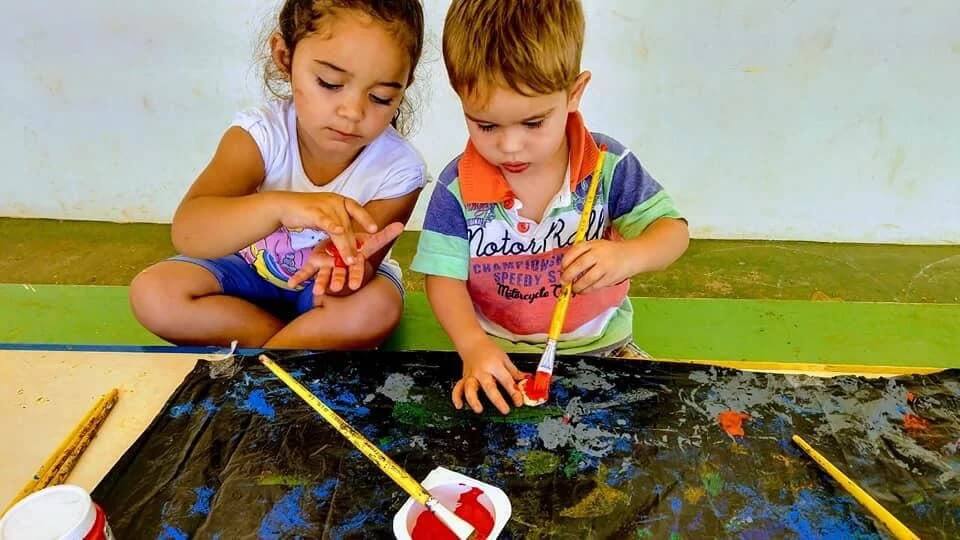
[657, 247]
[650, 233]
[484, 364]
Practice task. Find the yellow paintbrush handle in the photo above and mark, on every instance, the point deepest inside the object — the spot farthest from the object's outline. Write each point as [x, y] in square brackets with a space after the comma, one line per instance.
[898, 529]
[61, 462]
[383, 461]
[455, 523]
[560, 310]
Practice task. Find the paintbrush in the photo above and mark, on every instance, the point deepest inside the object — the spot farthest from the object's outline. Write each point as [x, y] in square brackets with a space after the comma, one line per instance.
[890, 521]
[455, 523]
[60, 464]
[540, 386]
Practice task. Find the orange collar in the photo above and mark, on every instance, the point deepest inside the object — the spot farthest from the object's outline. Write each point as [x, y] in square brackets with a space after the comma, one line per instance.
[482, 182]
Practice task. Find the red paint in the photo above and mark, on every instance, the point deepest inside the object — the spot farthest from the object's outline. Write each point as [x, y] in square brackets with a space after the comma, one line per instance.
[540, 387]
[732, 422]
[910, 397]
[429, 527]
[335, 253]
[100, 530]
[914, 422]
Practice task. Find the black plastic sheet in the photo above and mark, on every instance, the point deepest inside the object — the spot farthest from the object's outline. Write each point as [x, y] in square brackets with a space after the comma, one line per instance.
[621, 450]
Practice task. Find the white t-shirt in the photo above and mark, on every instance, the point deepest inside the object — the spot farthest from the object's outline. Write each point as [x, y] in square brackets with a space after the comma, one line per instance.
[387, 168]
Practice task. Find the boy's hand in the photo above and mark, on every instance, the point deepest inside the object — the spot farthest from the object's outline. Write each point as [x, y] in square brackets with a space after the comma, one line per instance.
[329, 276]
[594, 265]
[485, 365]
[329, 212]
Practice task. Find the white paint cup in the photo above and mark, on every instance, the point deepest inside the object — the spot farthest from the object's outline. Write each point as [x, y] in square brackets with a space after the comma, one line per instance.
[60, 512]
[447, 486]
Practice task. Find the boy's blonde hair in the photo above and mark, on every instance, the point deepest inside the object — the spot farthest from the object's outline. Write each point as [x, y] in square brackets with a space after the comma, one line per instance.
[530, 46]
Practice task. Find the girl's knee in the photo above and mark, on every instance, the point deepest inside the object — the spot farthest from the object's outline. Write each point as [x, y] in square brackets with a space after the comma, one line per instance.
[160, 291]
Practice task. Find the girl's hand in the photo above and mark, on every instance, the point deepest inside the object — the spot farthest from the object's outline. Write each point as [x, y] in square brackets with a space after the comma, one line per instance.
[594, 265]
[329, 212]
[329, 276]
[485, 365]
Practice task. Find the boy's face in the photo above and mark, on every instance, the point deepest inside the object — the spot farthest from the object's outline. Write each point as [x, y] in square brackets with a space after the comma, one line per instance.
[521, 134]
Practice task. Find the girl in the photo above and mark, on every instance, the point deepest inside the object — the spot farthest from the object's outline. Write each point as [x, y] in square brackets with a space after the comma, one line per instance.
[315, 178]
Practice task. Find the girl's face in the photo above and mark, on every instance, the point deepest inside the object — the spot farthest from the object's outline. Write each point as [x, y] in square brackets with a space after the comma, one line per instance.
[347, 81]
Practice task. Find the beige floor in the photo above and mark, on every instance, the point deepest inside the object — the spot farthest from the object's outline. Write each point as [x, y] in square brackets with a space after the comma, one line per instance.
[44, 394]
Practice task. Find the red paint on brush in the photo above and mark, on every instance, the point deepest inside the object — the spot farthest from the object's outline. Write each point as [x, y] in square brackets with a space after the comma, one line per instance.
[911, 397]
[732, 422]
[540, 387]
[429, 527]
[914, 423]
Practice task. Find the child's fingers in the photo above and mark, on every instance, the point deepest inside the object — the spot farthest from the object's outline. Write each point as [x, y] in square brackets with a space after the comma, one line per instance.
[457, 394]
[505, 378]
[492, 391]
[587, 281]
[360, 215]
[356, 271]
[379, 240]
[580, 265]
[321, 283]
[514, 372]
[574, 253]
[314, 263]
[470, 389]
[338, 279]
[325, 222]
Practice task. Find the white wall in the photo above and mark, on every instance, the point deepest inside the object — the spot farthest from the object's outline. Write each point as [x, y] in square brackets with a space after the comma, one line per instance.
[791, 119]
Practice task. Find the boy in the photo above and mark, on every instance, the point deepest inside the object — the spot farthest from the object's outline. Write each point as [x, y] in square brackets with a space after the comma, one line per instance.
[496, 242]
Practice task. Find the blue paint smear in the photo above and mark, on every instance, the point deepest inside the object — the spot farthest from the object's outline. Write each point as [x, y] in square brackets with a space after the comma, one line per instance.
[676, 505]
[208, 406]
[179, 410]
[169, 532]
[324, 490]
[285, 517]
[201, 506]
[352, 524]
[257, 402]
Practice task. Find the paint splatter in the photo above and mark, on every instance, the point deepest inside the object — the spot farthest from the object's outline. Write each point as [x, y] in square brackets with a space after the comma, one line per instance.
[352, 524]
[169, 532]
[602, 501]
[397, 387]
[201, 506]
[425, 414]
[429, 527]
[538, 463]
[693, 494]
[713, 483]
[732, 422]
[282, 480]
[912, 422]
[324, 490]
[285, 518]
[257, 402]
[180, 410]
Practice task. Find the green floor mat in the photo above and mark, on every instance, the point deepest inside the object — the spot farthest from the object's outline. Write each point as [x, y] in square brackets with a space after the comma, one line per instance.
[704, 329]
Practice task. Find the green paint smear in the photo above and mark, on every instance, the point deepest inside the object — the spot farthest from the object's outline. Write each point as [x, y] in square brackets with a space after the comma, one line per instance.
[640, 534]
[283, 480]
[675, 536]
[525, 415]
[712, 483]
[429, 413]
[539, 463]
[573, 464]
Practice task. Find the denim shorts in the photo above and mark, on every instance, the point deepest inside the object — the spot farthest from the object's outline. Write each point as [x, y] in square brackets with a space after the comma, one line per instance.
[240, 279]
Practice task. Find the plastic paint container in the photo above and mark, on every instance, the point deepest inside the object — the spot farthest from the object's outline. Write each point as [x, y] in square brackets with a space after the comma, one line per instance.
[60, 512]
[448, 486]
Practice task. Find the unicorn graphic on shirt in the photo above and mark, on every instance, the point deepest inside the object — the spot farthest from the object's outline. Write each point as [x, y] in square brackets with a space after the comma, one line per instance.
[281, 254]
